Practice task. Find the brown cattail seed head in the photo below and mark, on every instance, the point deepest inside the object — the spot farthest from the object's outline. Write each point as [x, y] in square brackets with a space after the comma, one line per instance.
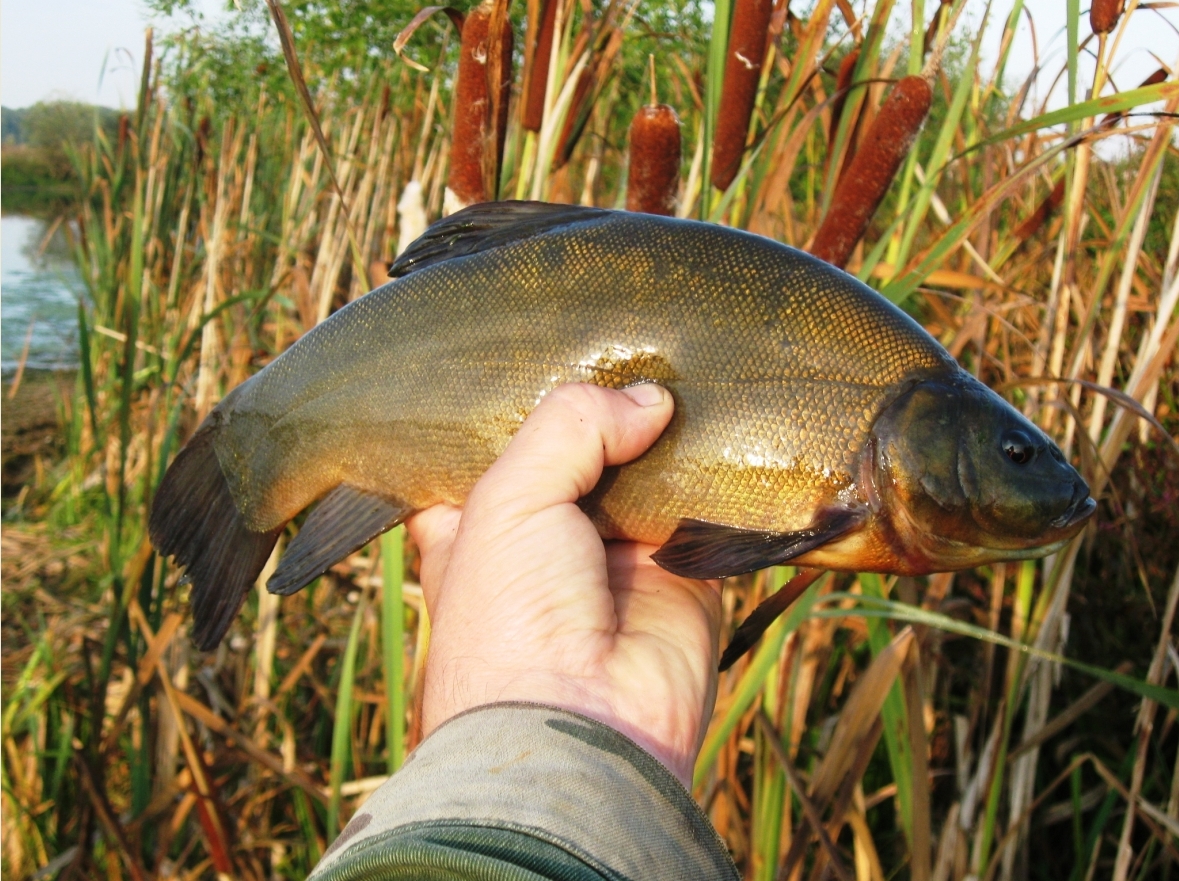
[1104, 15]
[654, 177]
[747, 47]
[472, 133]
[866, 180]
[534, 102]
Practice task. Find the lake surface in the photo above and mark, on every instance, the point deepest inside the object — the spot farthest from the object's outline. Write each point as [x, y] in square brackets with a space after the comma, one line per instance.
[38, 288]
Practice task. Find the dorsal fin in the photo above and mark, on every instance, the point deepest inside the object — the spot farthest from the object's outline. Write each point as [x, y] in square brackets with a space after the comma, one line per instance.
[485, 226]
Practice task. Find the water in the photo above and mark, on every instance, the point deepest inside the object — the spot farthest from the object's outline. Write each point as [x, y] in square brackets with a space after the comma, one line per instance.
[37, 288]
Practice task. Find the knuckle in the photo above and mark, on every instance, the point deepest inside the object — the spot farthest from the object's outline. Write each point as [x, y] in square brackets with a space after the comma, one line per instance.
[579, 401]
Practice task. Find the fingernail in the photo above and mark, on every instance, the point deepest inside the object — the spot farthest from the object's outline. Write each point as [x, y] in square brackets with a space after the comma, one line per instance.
[648, 394]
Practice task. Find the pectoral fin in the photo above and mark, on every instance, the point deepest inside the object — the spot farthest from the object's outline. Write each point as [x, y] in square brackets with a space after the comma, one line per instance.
[698, 549]
[344, 521]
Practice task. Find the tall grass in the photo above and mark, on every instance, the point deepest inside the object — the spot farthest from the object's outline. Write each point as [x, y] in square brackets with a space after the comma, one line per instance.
[884, 727]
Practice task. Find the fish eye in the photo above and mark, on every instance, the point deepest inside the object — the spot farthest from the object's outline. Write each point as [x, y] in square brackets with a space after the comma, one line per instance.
[1019, 447]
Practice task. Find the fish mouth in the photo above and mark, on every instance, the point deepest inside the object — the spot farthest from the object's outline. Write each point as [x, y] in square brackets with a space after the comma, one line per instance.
[1080, 509]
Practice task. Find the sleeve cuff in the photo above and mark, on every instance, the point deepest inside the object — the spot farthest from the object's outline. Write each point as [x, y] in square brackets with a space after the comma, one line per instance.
[550, 774]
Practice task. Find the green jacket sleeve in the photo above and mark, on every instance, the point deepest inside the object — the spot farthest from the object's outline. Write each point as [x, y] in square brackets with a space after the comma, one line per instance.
[522, 791]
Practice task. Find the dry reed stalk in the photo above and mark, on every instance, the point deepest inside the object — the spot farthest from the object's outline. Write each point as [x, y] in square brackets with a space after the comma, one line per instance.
[376, 233]
[538, 72]
[654, 176]
[863, 186]
[1113, 338]
[1144, 726]
[935, 24]
[852, 743]
[692, 185]
[265, 642]
[746, 53]
[474, 132]
[1040, 216]
[334, 239]
[207, 372]
[773, 200]
[603, 42]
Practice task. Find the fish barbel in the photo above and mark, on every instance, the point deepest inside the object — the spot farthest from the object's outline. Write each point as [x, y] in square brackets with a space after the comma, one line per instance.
[815, 422]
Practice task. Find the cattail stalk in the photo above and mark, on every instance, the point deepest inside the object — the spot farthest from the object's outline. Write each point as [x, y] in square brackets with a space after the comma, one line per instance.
[473, 132]
[539, 73]
[654, 177]
[747, 46]
[862, 187]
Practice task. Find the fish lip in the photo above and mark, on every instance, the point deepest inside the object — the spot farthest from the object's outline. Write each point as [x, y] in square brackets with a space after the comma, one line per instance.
[1081, 509]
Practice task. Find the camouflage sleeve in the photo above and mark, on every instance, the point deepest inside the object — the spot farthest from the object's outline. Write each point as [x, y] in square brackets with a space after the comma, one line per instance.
[523, 791]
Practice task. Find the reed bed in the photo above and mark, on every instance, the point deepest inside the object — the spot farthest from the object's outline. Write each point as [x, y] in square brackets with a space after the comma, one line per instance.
[1016, 721]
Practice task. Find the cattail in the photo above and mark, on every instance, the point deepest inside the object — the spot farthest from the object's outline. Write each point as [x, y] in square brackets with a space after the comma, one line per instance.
[654, 177]
[538, 78]
[1104, 15]
[843, 81]
[472, 133]
[1037, 218]
[747, 47]
[863, 185]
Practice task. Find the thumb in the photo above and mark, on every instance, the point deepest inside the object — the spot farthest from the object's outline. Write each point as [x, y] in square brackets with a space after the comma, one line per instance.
[559, 453]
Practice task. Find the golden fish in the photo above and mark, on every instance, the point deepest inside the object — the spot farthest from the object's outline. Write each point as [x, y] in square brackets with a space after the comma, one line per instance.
[815, 422]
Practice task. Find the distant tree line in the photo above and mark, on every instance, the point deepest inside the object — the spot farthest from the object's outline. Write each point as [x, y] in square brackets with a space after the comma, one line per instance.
[35, 165]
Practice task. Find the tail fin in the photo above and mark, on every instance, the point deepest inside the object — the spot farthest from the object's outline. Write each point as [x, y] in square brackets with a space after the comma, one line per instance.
[195, 520]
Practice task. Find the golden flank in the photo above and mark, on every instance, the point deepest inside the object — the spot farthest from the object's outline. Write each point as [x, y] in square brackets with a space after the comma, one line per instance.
[815, 422]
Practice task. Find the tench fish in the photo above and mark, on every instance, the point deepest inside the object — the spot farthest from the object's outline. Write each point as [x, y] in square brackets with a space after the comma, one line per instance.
[815, 422]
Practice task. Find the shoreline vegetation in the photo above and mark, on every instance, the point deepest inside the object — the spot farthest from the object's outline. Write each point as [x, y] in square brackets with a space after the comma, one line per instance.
[939, 728]
[37, 174]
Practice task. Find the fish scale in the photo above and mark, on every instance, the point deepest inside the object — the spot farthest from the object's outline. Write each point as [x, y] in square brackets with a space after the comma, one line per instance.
[780, 365]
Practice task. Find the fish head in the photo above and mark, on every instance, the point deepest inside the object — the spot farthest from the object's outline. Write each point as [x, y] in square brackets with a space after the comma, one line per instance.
[963, 479]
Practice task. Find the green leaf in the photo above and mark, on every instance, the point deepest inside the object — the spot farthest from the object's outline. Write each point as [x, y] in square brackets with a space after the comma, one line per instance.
[871, 607]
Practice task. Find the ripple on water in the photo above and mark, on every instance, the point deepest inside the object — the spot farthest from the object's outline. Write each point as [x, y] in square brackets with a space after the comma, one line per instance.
[37, 288]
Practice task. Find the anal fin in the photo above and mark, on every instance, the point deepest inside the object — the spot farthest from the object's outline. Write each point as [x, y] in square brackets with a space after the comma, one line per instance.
[343, 522]
[767, 612]
[699, 549]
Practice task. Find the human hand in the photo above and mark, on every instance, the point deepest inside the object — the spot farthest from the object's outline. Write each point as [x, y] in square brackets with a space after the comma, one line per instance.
[527, 604]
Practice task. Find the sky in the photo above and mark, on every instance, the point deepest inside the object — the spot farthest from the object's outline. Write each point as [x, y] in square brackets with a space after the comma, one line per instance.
[90, 50]
[86, 50]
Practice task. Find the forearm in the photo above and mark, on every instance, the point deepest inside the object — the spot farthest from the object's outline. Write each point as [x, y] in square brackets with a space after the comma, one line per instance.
[524, 791]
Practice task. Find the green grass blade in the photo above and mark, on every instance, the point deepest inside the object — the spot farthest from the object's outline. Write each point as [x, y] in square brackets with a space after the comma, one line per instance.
[893, 714]
[753, 679]
[941, 150]
[393, 642]
[718, 49]
[869, 607]
[1094, 107]
[342, 727]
